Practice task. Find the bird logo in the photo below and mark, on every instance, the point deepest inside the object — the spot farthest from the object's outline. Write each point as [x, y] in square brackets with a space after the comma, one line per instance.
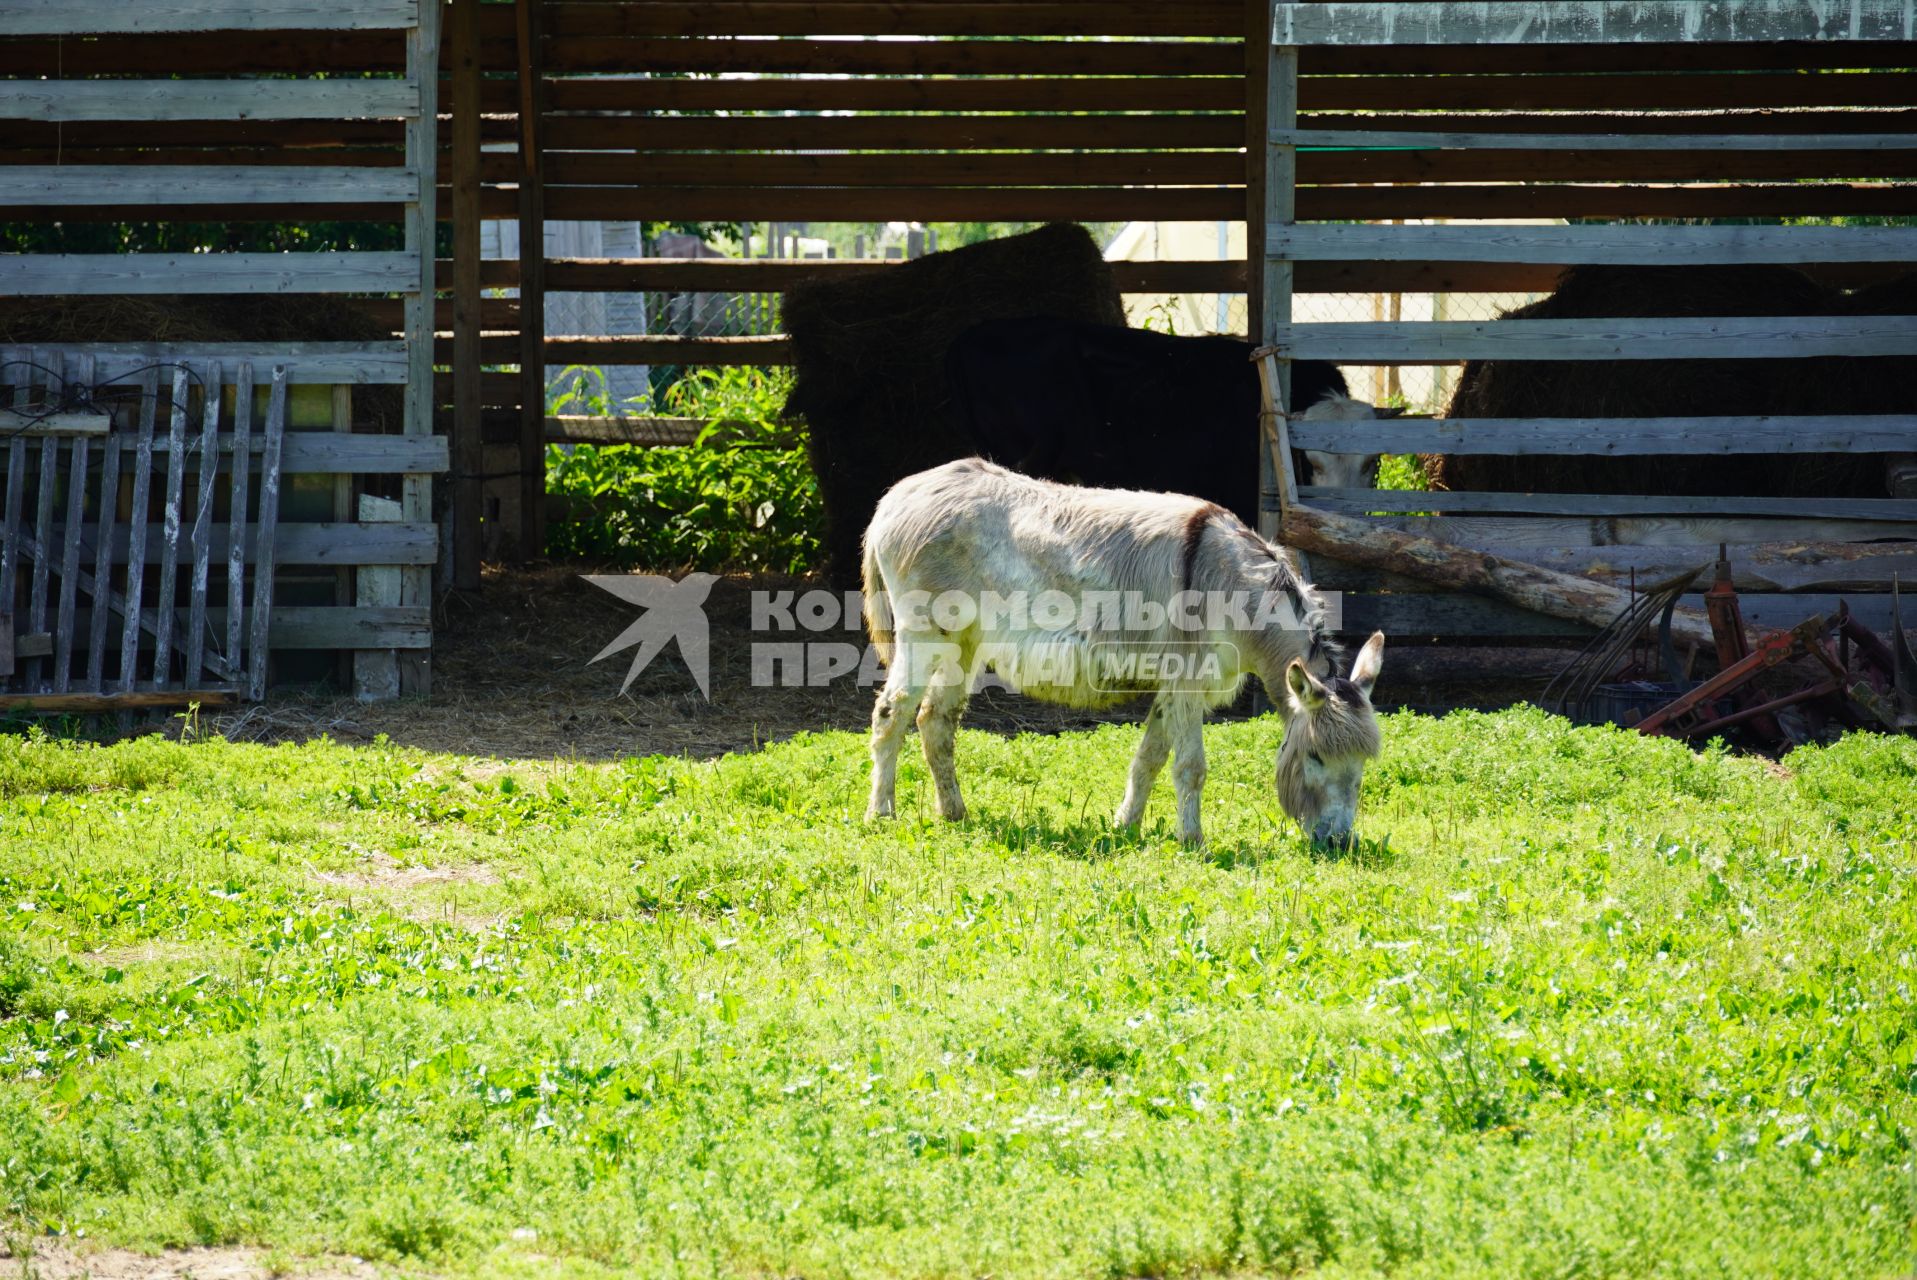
[673, 611]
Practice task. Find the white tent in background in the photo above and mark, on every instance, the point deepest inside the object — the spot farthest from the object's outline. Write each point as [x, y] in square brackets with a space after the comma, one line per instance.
[1200, 313]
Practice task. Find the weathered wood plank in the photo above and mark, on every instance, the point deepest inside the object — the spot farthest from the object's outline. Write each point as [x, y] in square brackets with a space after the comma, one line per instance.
[318, 452]
[328, 544]
[567, 54]
[1611, 246]
[905, 169]
[192, 184]
[102, 585]
[16, 365]
[422, 150]
[1408, 617]
[1755, 567]
[166, 601]
[237, 494]
[376, 671]
[202, 537]
[1861, 433]
[307, 362]
[338, 627]
[136, 544]
[114, 17]
[1450, 341]
[70, 564]
[1639, 531]
[462, 37]
[748, 17]
[1104, 132]
[73, 704]
[169, 273]
[1602, 22]
[38, 588]
[1400, 140]
[265, 532]
[1361, 501]
[145, 100]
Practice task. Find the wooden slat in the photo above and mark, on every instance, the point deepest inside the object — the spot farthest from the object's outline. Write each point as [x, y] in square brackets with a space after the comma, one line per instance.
[101, 17]
[1860, 433]
[165, 602]
[1531, 141]
[202, 537]
[533, 60]
[70, 564]
[1654, 164]
[588, 350]
[50, 704]
[1747, 89]
[39, 585]
[147, 100]
[927, 204]
[190, 184]
[16, 365]
[1636, 122]
[1134, 18]
[1361, 501]
[566, 54]
[170, 273]
[338, 627]
[895, 132]
[954, 169]
[265, 530]
[1755, 567]
[103, 563]
[462, 34]
[1411, 617]
[136, 554]
[1747, 338]
[309, 362]
[1518, 59]
[330, 544]
[1602, 22]
[242, 455]
[416, 489]
[775, 275]
[1640, 531]
[1065, 93]
[1609, 201]
[1613, 246]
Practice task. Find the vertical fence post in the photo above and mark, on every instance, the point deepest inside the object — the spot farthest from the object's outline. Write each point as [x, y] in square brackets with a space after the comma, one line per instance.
[416, 491]
[468, 446]
[532, 283]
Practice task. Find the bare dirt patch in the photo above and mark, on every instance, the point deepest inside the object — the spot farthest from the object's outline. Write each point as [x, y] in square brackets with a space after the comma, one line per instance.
[426, 894]
[53, 1260]
[513, 679]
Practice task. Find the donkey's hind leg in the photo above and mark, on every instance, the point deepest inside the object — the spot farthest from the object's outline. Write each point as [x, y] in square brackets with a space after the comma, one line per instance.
[939, 717]
[898, 703]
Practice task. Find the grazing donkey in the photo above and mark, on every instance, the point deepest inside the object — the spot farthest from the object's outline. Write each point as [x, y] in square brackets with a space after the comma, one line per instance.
[1090, 597]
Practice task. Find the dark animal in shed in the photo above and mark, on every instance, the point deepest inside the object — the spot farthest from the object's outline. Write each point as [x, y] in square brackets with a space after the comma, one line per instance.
[1111, 407]
[1685, 388]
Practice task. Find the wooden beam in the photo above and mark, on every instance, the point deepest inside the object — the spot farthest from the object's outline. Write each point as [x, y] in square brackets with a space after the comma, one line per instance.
[1640, 531]
[187, 184]
[876, 169]
[1362, 501]
[326, 452]
[1611, 246]
[1423, 140]
[1860, 433]
[111, 17]
[1021, 93]
[1458, 568]
[173, 273]
[565, 55]
[826, 204]
[147, 100]
[73, 704]
[1106, 132]
[1599, 22]
[468, 446]
[530, 23]
[306, 362]
[1680, 338]
[753, 18]
[1642, 90]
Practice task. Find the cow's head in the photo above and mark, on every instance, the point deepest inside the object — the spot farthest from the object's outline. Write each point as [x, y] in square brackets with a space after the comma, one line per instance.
[1343, 470]
[1330, 732]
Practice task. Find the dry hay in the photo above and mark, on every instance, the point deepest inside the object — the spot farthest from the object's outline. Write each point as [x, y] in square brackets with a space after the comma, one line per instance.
[1684, 388]
[185, 320]
[869, 355]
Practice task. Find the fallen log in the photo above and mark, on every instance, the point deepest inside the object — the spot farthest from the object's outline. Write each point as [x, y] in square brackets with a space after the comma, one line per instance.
[1557, 595]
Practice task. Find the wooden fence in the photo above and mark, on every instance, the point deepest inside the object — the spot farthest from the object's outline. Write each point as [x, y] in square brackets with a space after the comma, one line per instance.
[1557, 146]
[341, 558]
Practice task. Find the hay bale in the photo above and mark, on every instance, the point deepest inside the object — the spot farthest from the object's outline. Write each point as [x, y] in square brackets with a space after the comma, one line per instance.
[215, 318]
[870, 352]
[1673, 388]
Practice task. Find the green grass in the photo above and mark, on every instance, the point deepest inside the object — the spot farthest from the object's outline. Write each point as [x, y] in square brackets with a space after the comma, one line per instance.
[1582, 1005]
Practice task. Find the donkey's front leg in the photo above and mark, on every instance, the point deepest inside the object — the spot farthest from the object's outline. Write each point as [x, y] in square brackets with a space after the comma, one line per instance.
[1153, 748]
[1184, 725]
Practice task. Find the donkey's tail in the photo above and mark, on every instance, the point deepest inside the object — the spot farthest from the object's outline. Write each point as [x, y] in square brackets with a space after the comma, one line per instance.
[873, 604]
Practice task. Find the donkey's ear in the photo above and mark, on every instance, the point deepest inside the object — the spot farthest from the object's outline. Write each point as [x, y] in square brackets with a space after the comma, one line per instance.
[1370, 660]
[1306, 693]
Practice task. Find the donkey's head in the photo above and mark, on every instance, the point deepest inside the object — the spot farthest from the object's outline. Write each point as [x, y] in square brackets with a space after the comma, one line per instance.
[1329, 734]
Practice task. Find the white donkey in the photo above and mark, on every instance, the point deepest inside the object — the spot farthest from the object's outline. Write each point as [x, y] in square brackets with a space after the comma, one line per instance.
[969, 565]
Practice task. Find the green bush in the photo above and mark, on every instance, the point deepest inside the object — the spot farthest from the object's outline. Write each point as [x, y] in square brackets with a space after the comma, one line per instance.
[741, 498]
